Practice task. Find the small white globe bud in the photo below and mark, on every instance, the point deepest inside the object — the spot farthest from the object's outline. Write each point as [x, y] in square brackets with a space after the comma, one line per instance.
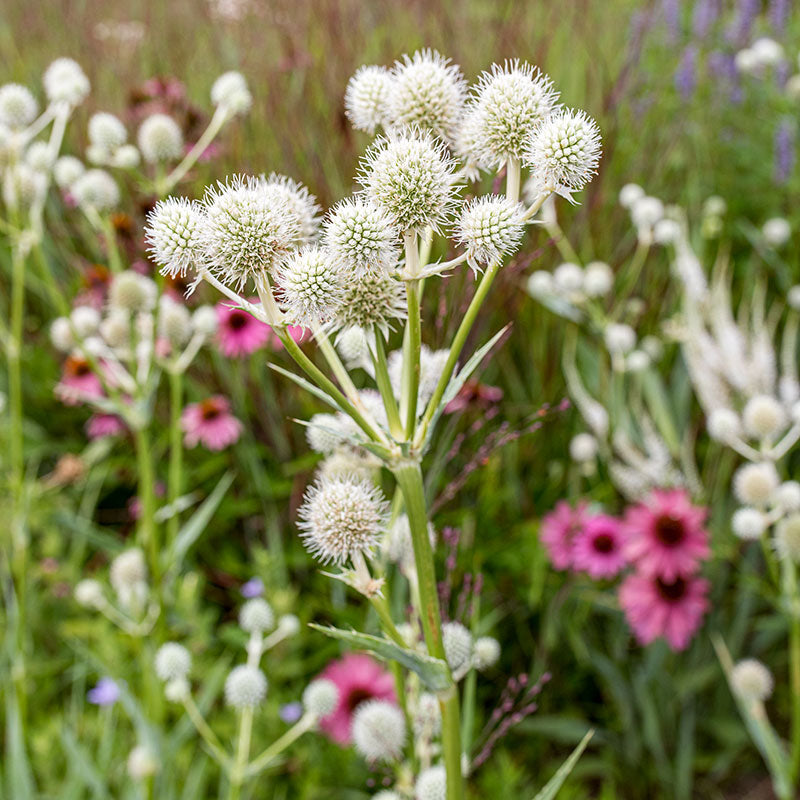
[288, 624]
[61, 335]
[666, 231]
[646, 212]
[326, 432]
[768, 52]
[126, 157]
[172, 662]
[353, 346]
[619, 338]
[751, 680]
[177, 690]
[311, 287]
[568, 278]
[67, 170]
[131, 291]
[65, 82]
[367, 97]
[174, 322]
[128, 575]
[715, 206]
[23, 186]
[776, 231]
[792, 88]
[116, 328]
[372, 300]
[637, 361]
[486, 653]
[583, 448]
[386, 794]
[379, 730]
[787, 538]
[85, 320]
[18, 106]
[597, 279]
[748, 523]
[457, 641]
[204, 320]
[107, 131]
[38, 157]
[256, 616]
[96, 189]
[723, 425]
[160, 139]
[788, 496]
[245, 687]
[629, 194]
[431, 784]
[755, 484]
[540, 283]
[320, 697]
[763, 416]
[747, 62]
[491, 228]
[89, 593]
[142, 763]
[231, 93]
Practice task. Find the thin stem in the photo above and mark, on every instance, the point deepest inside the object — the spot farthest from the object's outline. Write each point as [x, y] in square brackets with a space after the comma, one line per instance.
[305, 723]
[174, 485]
[148, 539]
[237, 774]
[792, 601]
[338, 369]
[204, 730]
[381, 609]
[412, 341]
[385, 384]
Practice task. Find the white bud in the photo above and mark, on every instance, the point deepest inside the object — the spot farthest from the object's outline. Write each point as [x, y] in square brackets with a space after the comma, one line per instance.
[85, 320]
[61, 335]
[96, 189]
[245, 687]
[723, 425]
[204, 320]
[320, 697]
[619, 338]
[107, 131]
[379, 730]
[486, 653]
[540, 283]
[230, 92]
[751, 680]
[583, 448]
[65, 82]
[18, 107]
[288, 624]
[787, 538]
[646, 212]
[126, 157]
[431, 784]
[172, 662]
[637, 361]
[160, 139]
[776, 231]
[177, 690]
[89, 593]
[67, 170]
[763, 416]
[457, 641]
[597, 279]
[755, 484]
[788, 496]
[629, 194]
[256, 616]
[142, 763]
[748, 523]
[568, 278]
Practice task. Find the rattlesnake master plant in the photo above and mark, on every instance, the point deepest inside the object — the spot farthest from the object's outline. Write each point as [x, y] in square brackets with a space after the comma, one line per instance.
[361, 276]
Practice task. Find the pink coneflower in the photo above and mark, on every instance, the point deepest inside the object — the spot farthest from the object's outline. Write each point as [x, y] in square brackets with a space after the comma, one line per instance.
[598, 547]
[210, 423]
[558, 531]
[657, 607]
[665, 535]
[78, 381]
[99, 425]
[239, 333]
[358, 678]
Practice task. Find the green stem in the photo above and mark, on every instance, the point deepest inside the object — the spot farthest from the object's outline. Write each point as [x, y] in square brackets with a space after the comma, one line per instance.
[338, 369]
[792, 600]
[385, 385]
[147, 535]
[412, 341]
[305, 723]
[174, 486]
[204, 730]
[110, 235]
[237, 775]
[381, 609]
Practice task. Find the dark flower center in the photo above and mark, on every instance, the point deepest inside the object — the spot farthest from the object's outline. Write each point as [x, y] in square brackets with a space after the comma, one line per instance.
[671, 591]
[356, 698]
[669, 530]
[604, 543]
[238, 321]
[210, 410]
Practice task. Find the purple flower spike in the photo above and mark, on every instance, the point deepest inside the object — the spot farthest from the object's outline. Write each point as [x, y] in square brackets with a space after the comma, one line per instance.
[106, 693]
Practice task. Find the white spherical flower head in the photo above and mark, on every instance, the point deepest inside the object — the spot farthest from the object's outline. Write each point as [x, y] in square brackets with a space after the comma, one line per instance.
[564, 150]
[344, 463]
[310, 287]
[174, 234]
[386, 794]
[629, 194]
[131, 291]
[748, 523]
[788, 496]
[142, 763]
[428, 93]
[245, 234]
[341, 518]
[23, 186]
[128, 569]
[173, 662]
[85, 320]
[598, 279]
[245, 687]
[231, 93]
[160, 139]
[666, 231]
[646, 212]
[431, 784]
[361, 236]
[126, 157]
[256, 616]
[107, 131]
[763, 416]
[61, 334]
[65, 82]
[288, 625]
[491, 229]
[583, 448]
[177, 690]
[767, 51]
[568, 278]
[751, 680]
[637, 361]
[412, 178]
[174, 322]
[89, 593]
[486, 652]
[297, 201]
[619, 338]
[724, 425]
[755, 484]
[38, 157]
[372, 300]
[205, 321]
[367, 97]
[67, 170]
[540, 283]
[427, 716]
[96, 189]
[776, 231]
[327, 432]
[787, 538]
[457, 641]
[320, 698]
[507, 103]
[379, 730]
[353, 346]
[18, 106]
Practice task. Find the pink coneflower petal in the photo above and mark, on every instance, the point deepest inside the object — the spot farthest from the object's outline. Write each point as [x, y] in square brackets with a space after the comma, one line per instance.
[656, 607]
[210, 423]
[100, 425]
[558, 531]
[239, 333]
[78, 382]
[665, 535]
[598, 547]
[358, 678]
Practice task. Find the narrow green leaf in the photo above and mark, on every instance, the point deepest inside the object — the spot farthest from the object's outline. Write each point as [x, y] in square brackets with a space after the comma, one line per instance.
[307, 385]
[553, 786]
[82, 763]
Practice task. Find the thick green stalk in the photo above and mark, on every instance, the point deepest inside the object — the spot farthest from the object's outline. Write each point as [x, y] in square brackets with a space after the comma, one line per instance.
[385, 385]
[237, 774]
[174, 485]
[412, 341]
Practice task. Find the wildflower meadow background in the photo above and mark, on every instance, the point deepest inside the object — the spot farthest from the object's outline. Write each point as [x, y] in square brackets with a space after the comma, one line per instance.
[400, 399]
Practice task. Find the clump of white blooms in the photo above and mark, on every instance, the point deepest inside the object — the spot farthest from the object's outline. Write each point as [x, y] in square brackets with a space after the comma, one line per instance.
[18, 106]
[341, 518]
[491, 229]
[320, 697]
[173, 662]
[230, 92]
[65, 82]
[256, 616]
[174, 234]
[751, 680]
[379, 730]
[245, 687]
[432, 784]
[311, 288]
[160, 139]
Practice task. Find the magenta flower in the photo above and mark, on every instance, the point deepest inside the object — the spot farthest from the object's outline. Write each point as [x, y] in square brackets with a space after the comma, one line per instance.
[78, 382]
[358, 678]
[558, 531]
[210, 423]
[657, 607]
[238, 332]
[99, 425]
[664, 536]
[598, 547]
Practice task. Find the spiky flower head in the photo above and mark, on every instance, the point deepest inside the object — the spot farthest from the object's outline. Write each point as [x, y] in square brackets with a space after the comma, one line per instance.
[160, 139]
[245, 687]
[256, 616]
[132, 291]
[297, 201]
[320, 697]
[563, 151]
[96, 189]
[411, 177]
[245, 235]
[457, 641]
[361, 236]
[751, 680]
[367, 97]
[507, 103]
[65, 82]
[342, 517]
[428, 93]
[763, 416]
[787, 538]
[310, 287]
[756, 483]
[18, 106]
[349, 463]
[230, 92]
[379, 730]
[372, 300]
[67, 170]
[427, 716]
[173, 662]
[486, 652]
[107, 131]
[748, 523]
[431, 784]
[174, 234]
[491, 228]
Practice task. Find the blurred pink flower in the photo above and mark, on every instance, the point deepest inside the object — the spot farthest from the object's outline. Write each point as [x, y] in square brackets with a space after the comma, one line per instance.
[558, 531]
[240, 333]
[358, 678]
[99, 425]
[657, 607]
[597, 547]
[78, 381]
[664, 535]
[210, 423]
